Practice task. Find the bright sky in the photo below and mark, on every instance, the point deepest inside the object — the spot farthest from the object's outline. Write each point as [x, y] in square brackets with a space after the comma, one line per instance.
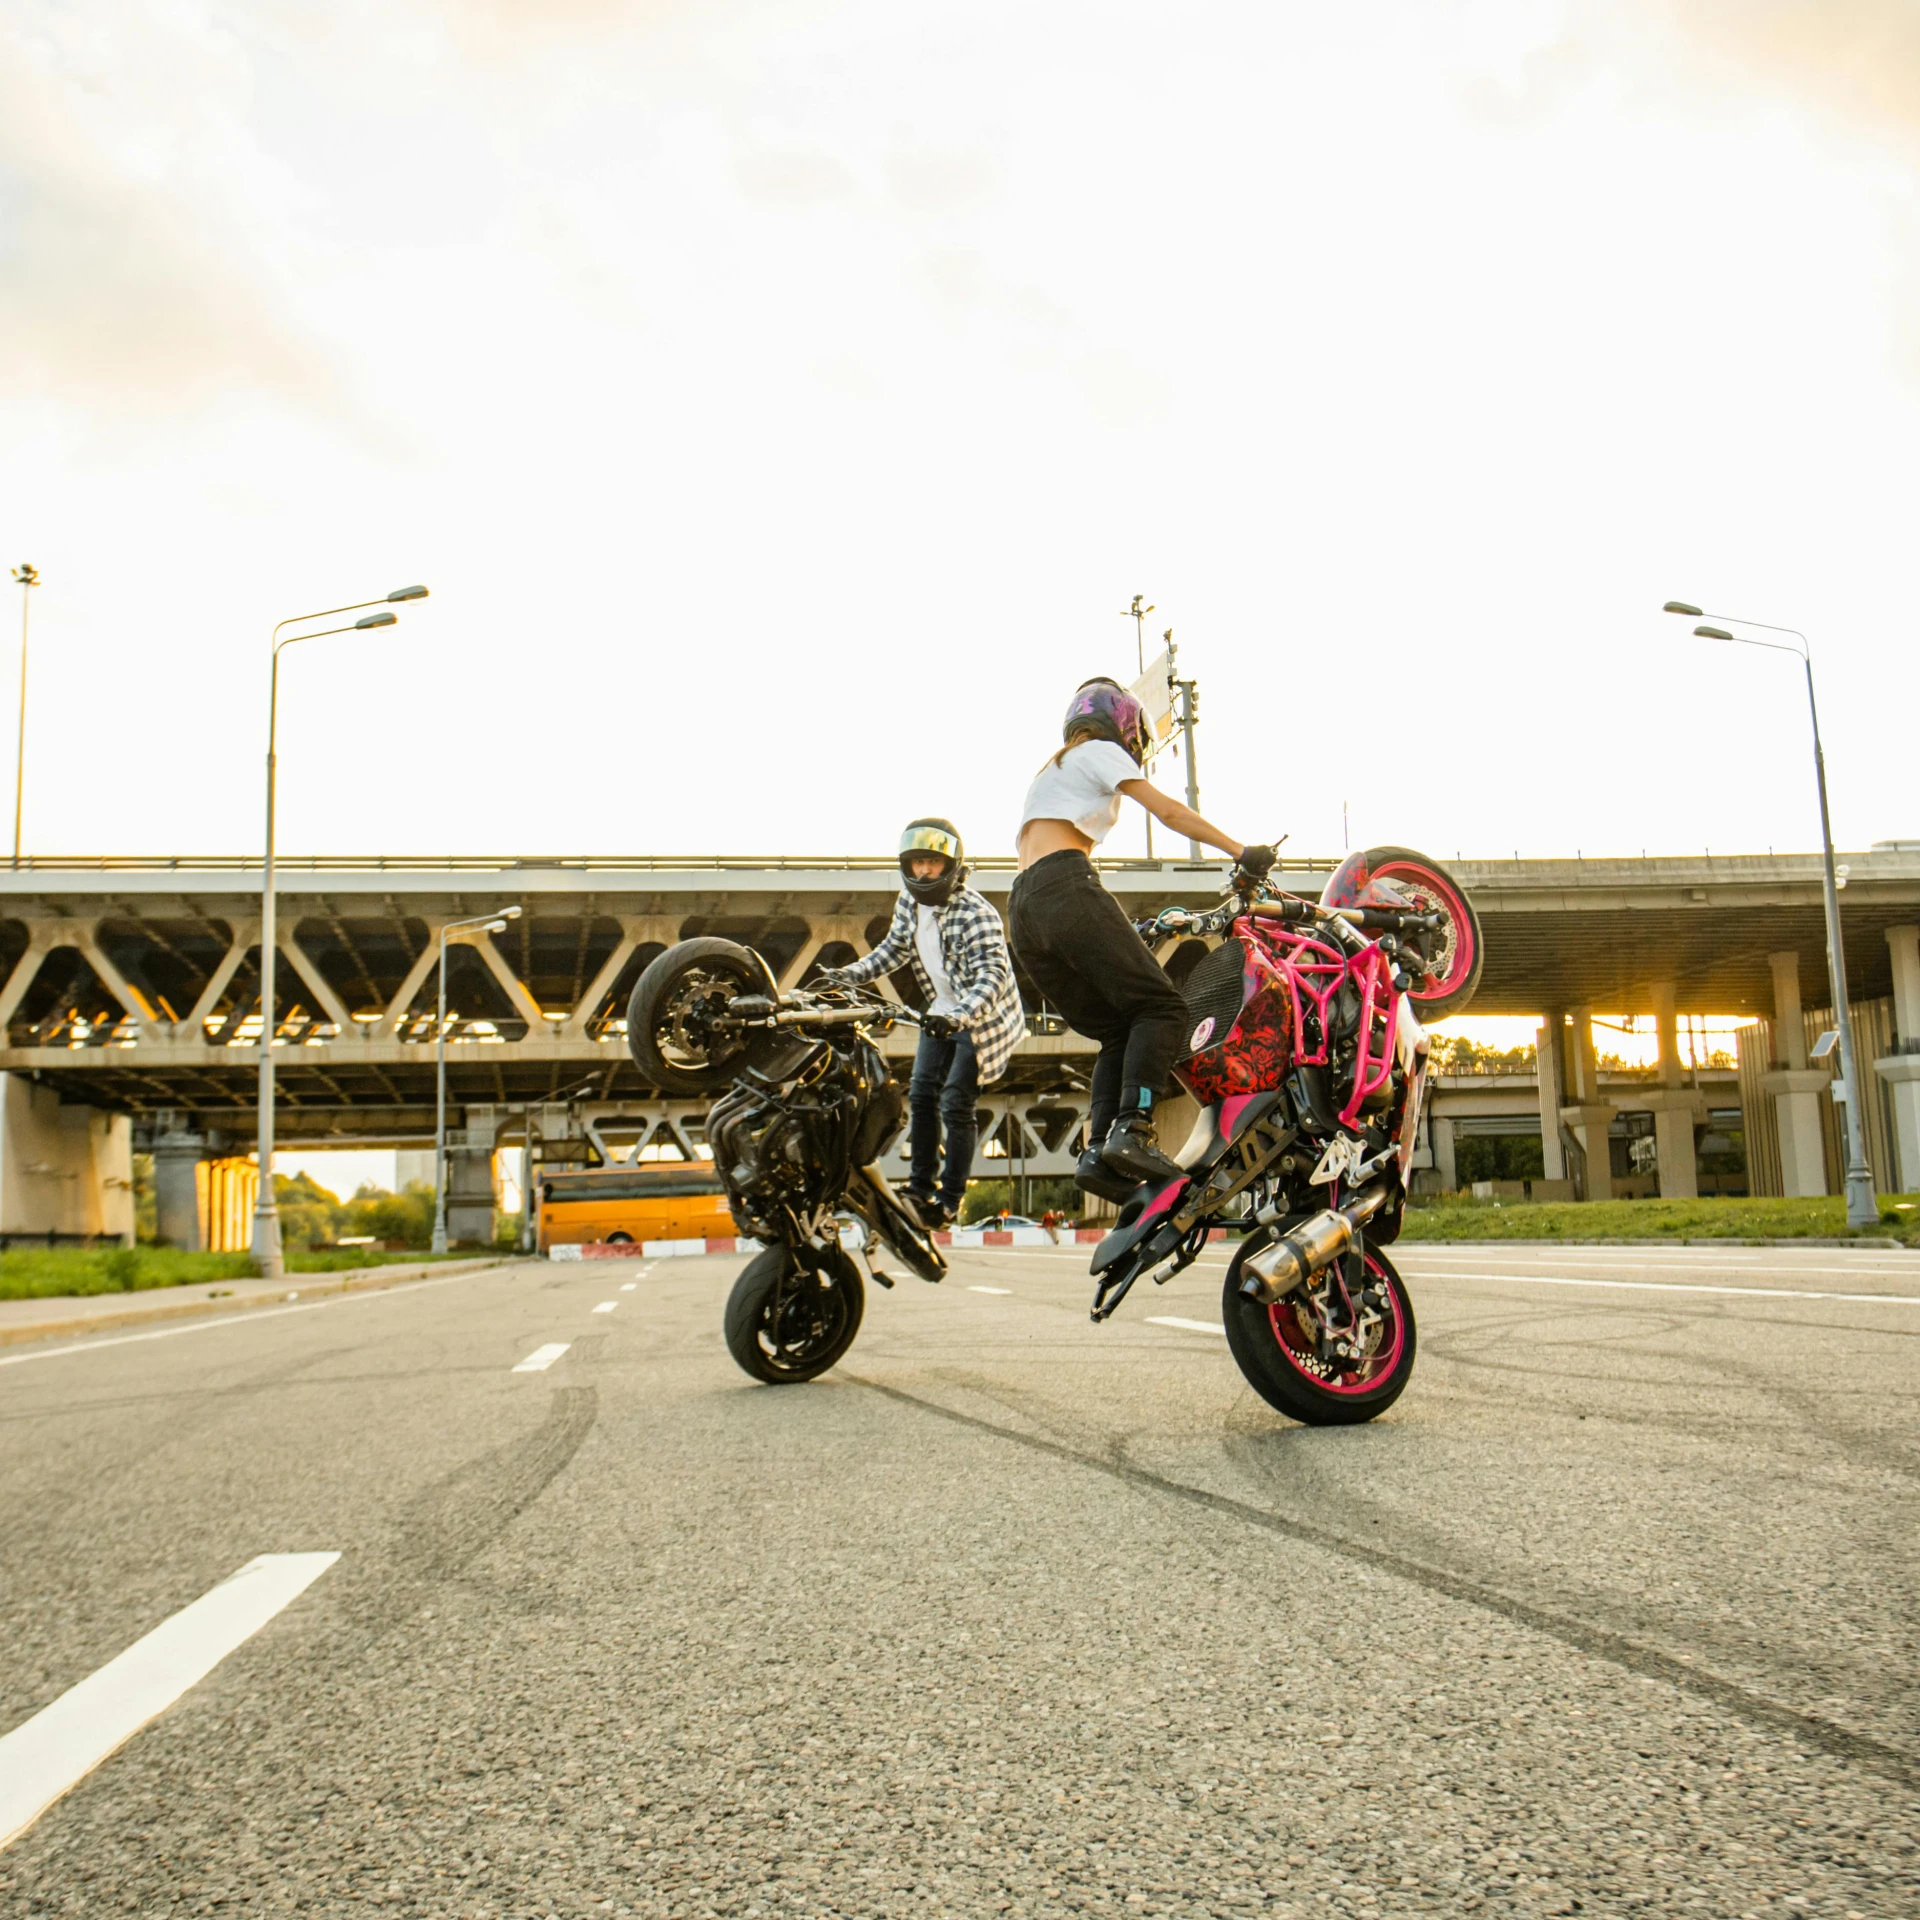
[783, 400]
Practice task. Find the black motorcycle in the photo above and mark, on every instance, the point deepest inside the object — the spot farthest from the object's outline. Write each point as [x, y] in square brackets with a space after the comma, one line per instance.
[806, 1108]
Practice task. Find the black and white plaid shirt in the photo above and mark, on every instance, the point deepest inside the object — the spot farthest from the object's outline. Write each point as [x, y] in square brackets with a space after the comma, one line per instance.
[973, 948]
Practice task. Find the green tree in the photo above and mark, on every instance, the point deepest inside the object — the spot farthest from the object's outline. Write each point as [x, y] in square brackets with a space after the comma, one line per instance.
[310, 1216]
[400, 1219]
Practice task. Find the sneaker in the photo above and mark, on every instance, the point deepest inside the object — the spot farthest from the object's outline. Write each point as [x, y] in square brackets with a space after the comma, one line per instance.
[923, 1206]
[1130, 1152]
[1090, 1175]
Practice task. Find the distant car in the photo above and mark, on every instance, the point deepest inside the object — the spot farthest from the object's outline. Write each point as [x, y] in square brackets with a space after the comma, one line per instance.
[1001, 1222]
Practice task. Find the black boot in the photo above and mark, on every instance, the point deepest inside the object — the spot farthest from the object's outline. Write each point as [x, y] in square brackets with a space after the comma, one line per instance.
[1091, 1176]
[1130, 1154]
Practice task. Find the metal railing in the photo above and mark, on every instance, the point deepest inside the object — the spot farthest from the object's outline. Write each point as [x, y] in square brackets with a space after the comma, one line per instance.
[571, 863]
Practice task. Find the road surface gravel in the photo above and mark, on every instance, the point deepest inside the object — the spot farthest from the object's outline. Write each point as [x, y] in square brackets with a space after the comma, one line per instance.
[1612, 1614]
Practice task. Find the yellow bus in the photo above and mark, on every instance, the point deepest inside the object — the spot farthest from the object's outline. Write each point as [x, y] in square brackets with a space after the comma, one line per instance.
[657, 1200]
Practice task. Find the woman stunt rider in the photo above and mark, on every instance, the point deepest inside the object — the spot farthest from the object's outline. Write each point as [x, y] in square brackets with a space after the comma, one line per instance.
[1079, 948]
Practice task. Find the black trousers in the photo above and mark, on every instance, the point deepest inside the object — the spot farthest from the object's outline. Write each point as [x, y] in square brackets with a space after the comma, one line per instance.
[1080, 950]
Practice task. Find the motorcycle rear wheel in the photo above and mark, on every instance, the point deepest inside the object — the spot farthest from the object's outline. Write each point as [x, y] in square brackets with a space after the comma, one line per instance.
[669, 1017]
[783, 1326]
[1270, 1348]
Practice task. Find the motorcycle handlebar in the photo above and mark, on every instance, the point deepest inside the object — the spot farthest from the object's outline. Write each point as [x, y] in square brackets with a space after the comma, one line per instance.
[1293, 913]
[810, 1010]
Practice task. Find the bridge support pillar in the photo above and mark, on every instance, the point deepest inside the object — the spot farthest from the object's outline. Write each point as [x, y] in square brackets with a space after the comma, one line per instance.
[177, 1153]
[64, 1169]
[1549, 1049]
[1901, 1070]
[1676, 1113]
[1446, 1167]
[1796, 1088]
[1803, 1148]
[471, 1194]
[1590, 1123]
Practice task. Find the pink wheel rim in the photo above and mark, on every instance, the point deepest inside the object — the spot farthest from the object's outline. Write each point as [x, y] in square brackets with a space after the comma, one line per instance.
[1295, 1343]
[1429, 891]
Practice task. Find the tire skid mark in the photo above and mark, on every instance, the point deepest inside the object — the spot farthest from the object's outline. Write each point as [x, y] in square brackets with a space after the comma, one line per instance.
[1826, 1735]
[443, 1529]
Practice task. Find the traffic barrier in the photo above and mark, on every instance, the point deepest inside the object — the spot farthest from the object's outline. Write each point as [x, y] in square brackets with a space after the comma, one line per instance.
[959, 1237]
[652, 1249]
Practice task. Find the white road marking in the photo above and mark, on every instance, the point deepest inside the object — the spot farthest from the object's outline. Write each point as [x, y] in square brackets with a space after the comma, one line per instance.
[54, 1751]
[1192, 1326]
[989, 1289]
[1679, 1286]
[245, 1319]
[627, 1287]
[606, 1306]
[1665, 1259]
[541, 1358]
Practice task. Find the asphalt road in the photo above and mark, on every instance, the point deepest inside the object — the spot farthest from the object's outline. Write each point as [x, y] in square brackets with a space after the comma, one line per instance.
[1613, 1613]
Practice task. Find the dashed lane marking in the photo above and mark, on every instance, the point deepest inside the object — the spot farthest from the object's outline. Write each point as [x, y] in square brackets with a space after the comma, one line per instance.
[606, 1306]
[627, 1286]
[989, 1289]
[54, 1751]
[541, 1358]
[1192, 1326]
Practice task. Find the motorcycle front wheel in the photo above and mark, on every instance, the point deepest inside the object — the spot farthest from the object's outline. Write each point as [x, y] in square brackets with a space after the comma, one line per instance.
[1273, 1347]
[674, 1016]
[787, 1321]
[1450, 959]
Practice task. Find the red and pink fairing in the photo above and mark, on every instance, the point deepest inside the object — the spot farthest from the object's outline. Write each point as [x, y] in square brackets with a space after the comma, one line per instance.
[1298, 968]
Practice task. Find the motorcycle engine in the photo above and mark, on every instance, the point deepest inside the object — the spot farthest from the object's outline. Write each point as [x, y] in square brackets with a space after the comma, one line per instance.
[764, 1159]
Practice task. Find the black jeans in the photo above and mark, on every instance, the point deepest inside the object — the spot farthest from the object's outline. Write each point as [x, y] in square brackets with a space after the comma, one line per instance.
[945, 1084]
[1080, 950]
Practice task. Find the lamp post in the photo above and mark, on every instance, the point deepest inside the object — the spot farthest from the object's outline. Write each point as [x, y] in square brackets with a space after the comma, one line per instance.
[28, 577]
[266, 1211]
[1137, 614]
[1863, 1210]
[494, 923]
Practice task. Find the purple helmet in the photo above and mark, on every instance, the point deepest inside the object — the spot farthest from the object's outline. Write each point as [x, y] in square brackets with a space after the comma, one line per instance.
[1105, 709]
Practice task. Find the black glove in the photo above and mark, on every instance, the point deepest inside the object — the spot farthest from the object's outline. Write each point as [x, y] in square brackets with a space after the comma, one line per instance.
[940, 1025]
[1256, 862]
[830, 979]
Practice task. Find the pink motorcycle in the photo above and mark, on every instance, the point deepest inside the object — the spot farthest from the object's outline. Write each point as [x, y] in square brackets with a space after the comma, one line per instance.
[1308, 1058]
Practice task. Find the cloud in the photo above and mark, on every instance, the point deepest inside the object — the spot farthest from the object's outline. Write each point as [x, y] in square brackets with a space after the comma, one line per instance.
[133, 276]
[1859, 59]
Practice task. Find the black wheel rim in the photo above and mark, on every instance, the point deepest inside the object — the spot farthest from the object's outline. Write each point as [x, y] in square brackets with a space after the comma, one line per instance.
[686, 1030]
[802, 1320]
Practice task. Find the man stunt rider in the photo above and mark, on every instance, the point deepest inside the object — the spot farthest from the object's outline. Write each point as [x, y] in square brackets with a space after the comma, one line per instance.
[957, 948]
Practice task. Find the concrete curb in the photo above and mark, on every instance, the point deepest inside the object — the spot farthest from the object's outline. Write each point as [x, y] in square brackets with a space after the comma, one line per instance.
[314, 1286]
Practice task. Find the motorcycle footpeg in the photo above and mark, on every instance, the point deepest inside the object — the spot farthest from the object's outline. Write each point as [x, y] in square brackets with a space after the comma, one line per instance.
[1108, 1294]
[880, 1277]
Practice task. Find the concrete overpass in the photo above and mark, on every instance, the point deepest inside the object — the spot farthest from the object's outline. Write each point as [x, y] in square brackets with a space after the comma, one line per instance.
[129, 993]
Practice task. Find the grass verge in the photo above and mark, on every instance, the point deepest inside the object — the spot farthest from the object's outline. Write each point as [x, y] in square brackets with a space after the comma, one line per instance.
[1824, 1218]
[41, 1273]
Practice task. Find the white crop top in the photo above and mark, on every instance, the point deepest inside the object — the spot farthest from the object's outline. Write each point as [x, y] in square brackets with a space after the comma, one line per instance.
[1082, 788]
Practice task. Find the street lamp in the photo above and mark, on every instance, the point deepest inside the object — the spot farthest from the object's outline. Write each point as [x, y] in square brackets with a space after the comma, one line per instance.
[266, 1210]
[28, 577]
[1863, 1210]
[493, 923]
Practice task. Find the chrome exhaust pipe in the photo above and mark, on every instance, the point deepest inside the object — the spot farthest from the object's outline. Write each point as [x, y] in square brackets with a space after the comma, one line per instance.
[1274, 1272]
